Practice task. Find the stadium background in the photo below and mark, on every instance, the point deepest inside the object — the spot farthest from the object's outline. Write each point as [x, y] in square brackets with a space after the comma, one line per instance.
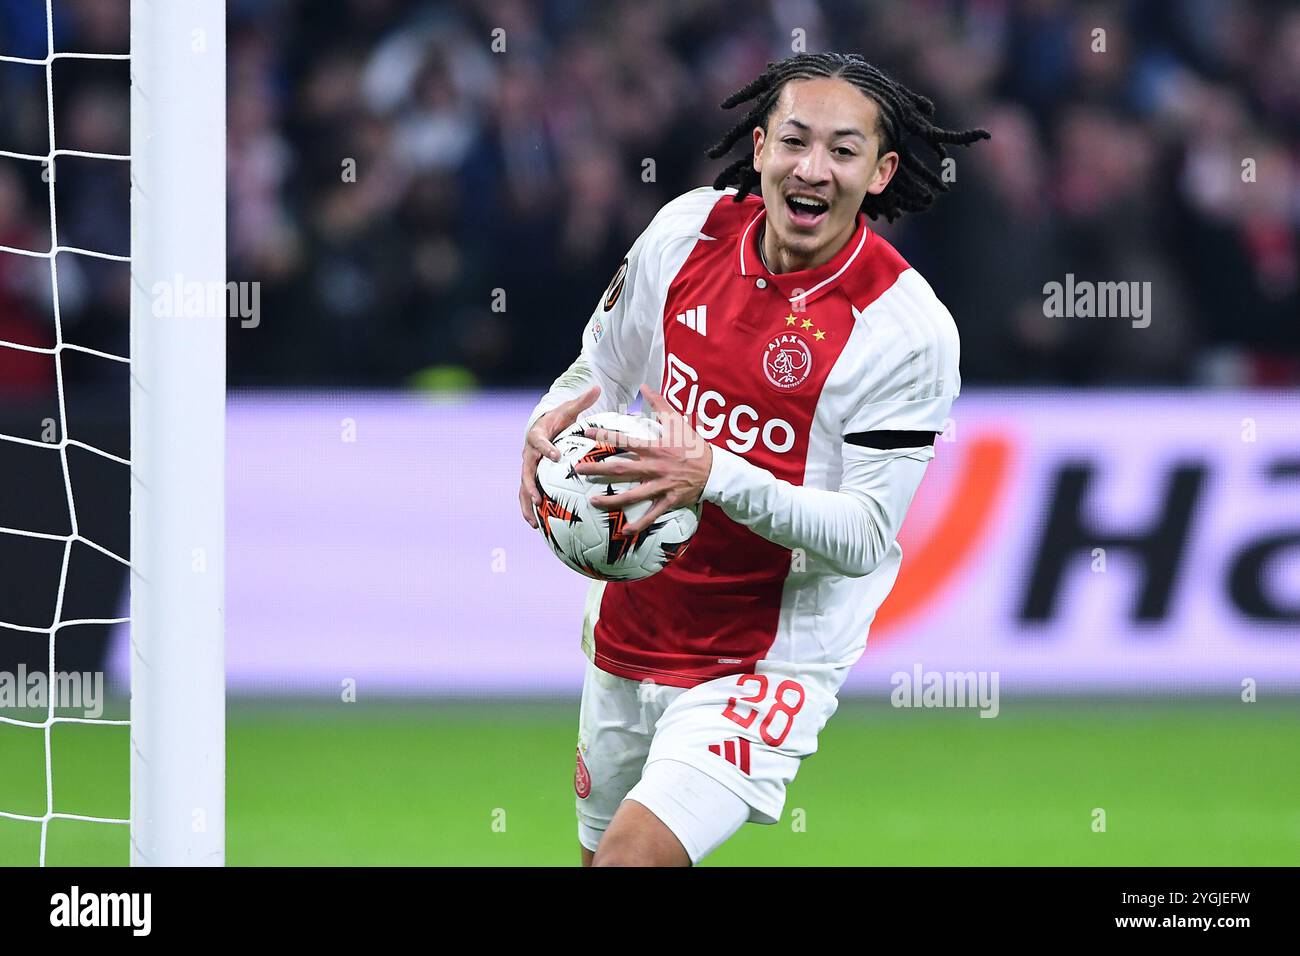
[377, 413]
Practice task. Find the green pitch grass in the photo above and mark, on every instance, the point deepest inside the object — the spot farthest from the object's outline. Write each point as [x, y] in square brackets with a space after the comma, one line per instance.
[1187, 782]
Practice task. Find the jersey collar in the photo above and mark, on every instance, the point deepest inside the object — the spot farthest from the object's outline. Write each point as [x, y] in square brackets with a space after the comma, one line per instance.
[807, 284]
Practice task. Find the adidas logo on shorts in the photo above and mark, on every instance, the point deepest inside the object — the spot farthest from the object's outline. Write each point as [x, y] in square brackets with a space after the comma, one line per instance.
[734, 751]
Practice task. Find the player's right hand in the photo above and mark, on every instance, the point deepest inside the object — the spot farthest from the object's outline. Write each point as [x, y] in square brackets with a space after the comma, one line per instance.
[538, 443]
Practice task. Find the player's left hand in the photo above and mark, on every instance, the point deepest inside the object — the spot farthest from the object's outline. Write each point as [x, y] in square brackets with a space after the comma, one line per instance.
[672, 469]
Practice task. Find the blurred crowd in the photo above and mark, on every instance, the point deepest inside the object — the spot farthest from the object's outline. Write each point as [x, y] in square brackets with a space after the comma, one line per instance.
[440, 192]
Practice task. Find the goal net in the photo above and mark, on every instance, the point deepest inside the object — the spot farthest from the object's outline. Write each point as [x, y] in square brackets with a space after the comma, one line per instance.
[176, 363]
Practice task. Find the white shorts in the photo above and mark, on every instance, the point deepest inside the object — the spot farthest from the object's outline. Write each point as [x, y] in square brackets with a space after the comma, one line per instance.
[747, 732]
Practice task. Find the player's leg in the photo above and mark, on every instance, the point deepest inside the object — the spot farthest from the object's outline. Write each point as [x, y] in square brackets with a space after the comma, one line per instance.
[675, 816]
[614, 731]
[723, 752]
[638, 838]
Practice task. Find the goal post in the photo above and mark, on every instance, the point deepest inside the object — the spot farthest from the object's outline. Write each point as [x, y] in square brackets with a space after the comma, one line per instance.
[178, 373]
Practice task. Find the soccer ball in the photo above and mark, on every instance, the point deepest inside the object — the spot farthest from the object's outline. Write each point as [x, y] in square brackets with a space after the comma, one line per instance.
[584, 537]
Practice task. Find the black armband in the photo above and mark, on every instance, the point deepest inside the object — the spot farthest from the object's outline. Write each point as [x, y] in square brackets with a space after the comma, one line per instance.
[887, 440]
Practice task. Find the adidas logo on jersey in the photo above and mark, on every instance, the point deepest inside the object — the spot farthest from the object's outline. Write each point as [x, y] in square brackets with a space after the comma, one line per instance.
[734, 751]
[695, 318]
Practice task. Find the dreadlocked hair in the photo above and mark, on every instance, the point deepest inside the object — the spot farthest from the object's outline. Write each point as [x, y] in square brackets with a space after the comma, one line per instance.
[902, 112]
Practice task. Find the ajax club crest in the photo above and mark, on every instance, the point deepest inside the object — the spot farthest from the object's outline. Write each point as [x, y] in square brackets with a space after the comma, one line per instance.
[787, 360]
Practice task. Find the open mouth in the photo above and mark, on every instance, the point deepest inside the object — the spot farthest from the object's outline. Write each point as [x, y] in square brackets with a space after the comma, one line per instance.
[805, 211]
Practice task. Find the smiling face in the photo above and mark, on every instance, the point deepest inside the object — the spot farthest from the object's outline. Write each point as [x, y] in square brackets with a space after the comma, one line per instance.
[817, 160]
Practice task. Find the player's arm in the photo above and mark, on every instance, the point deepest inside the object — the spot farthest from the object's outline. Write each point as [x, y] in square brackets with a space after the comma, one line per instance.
[605, 375]
[888, 441]
[616, 340]
[850, 530]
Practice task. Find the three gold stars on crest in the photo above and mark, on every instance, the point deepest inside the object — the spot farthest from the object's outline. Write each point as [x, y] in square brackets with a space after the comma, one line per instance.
[791, 320]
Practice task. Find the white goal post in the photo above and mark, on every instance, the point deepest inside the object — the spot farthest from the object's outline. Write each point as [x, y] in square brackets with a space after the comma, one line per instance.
[178, 373]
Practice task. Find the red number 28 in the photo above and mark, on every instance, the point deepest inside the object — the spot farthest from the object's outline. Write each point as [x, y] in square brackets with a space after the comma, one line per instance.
[779, 706]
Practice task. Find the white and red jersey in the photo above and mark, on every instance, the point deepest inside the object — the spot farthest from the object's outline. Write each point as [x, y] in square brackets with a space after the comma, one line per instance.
[797, 546]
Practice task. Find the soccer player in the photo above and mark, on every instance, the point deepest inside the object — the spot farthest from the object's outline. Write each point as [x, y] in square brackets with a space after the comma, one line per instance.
[802, 370]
